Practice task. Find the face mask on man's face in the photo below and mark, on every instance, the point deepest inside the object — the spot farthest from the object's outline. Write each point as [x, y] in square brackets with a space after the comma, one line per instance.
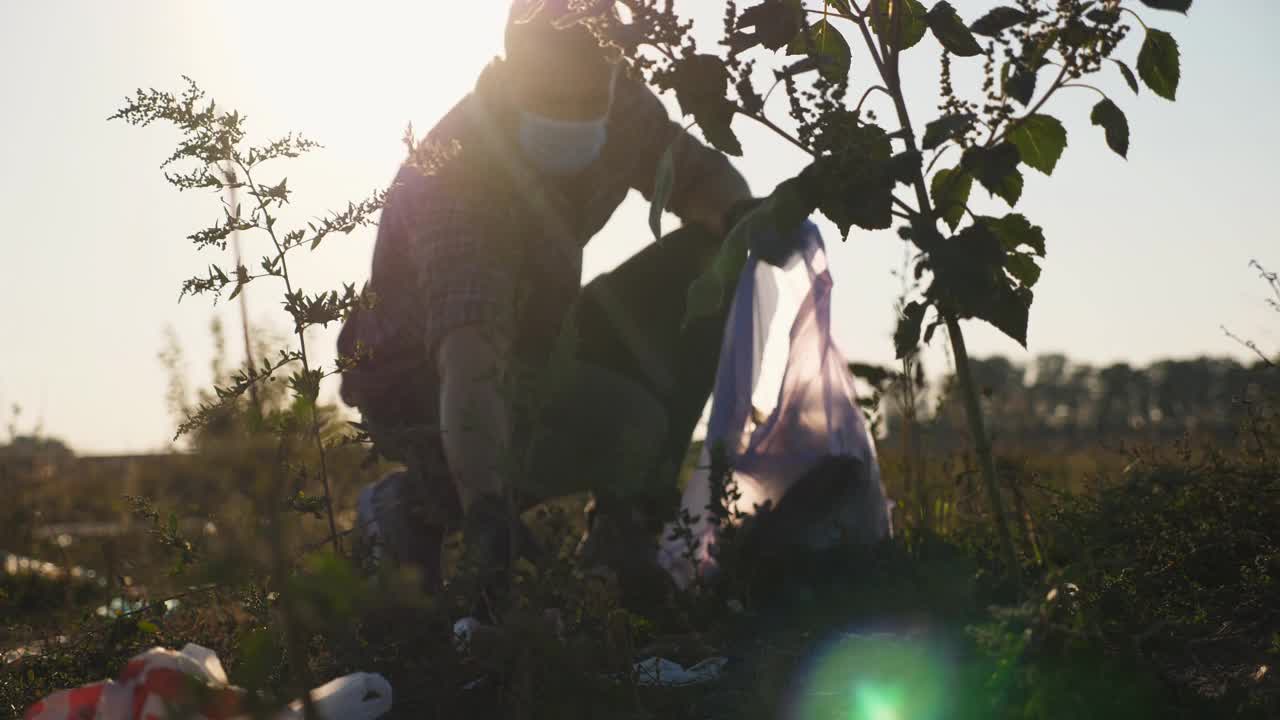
[563, 147]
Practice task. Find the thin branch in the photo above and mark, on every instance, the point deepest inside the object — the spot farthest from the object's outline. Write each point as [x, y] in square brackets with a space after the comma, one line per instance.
[1086, 86]
[1136, 17]
[858, 109]
[1013, 124]
[769, 94]
[860, 21]
[938, 155]
[1250, 345]
[777, 130]
[1272, 279]
[160, 603]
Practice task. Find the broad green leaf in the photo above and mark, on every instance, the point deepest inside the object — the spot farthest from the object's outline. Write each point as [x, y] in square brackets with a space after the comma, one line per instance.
[945, 128]
[704, 297]
[1010, 312]
[701, 83]
[1023, 268]
[776, 22]
[149, 627]
[1112, 119]
[970, 279]
[1020, 82]
[951, 31]
[662, 187]
[999, 20]
[1040, 140]
[1018, 77]
[787, 207]
[997, 169]
[1181, 6]
[1010, 188]
[1129, 77]
[904, 166]
[823, 43]
[912, 24]
[1158, 64]
[862, 198]
[950, 189]
[907, 335]
[854, 179]
[1014, 231]
[790, 204]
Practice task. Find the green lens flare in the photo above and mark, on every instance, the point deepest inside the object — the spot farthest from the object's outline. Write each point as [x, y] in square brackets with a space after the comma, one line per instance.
[876, 703]
[872, 677]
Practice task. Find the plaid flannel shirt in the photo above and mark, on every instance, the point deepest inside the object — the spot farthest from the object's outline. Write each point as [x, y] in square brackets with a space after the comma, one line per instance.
[466, 248]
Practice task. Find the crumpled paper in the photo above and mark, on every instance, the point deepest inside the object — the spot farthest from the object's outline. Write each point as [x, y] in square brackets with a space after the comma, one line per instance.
[193, 680]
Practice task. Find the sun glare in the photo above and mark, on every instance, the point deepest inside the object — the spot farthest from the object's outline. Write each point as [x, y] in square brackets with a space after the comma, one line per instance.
[431, 50]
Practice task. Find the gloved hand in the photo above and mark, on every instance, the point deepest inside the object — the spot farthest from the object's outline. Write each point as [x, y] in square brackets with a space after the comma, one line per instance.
[766, 243]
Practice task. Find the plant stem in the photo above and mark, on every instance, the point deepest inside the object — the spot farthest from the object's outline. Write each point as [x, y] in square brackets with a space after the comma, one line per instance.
[1136, 17]
[857, 110]
[777, 130]
[232, 186]
[974, 410]
[1013, 124]
[306, 365]
[937, 156]
[1085, 86]
[295, 643]
[982, 443]
[905, 207]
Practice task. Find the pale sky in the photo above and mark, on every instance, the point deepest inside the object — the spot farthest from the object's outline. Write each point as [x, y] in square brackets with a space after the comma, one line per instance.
[1146, 257]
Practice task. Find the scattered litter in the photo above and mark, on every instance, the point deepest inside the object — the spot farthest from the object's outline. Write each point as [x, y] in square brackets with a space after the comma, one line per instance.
[650, 672]
[463, 631]
[661, 672]
[155, 681]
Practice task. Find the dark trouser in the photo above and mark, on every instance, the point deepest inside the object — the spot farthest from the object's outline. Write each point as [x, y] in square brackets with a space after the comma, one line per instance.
[615, 411]
[621, 418]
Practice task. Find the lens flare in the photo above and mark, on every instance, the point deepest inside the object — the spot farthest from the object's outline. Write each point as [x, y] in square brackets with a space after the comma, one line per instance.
[875, 676]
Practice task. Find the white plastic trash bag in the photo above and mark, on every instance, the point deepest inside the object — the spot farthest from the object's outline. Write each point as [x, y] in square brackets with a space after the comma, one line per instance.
[794, 372]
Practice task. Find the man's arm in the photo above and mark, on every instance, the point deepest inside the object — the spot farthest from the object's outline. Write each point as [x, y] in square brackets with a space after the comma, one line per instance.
[461, 284]
[474, 417]
[706, 185]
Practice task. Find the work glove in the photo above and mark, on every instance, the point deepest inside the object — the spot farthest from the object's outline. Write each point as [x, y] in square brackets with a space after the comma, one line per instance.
[766, 243]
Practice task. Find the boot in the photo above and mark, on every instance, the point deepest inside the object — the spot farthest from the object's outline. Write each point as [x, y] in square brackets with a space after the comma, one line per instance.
[621, 540]
[393, 527]
[486, 558]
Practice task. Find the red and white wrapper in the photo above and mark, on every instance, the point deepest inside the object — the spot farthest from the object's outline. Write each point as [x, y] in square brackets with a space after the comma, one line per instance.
[160, 680]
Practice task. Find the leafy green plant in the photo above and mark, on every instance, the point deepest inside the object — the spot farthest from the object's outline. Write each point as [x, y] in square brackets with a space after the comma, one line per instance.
[874, 173]
[214, 154]
[217, 157]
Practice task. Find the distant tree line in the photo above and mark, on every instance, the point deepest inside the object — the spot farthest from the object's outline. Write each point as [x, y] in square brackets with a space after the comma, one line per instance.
[1053, 402]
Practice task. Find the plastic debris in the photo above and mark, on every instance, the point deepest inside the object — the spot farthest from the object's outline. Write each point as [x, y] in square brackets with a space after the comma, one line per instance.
[160, 680]
[784, 403]
[661, 672]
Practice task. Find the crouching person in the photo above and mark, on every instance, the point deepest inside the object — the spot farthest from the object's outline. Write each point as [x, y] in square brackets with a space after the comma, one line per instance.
[477, 274]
